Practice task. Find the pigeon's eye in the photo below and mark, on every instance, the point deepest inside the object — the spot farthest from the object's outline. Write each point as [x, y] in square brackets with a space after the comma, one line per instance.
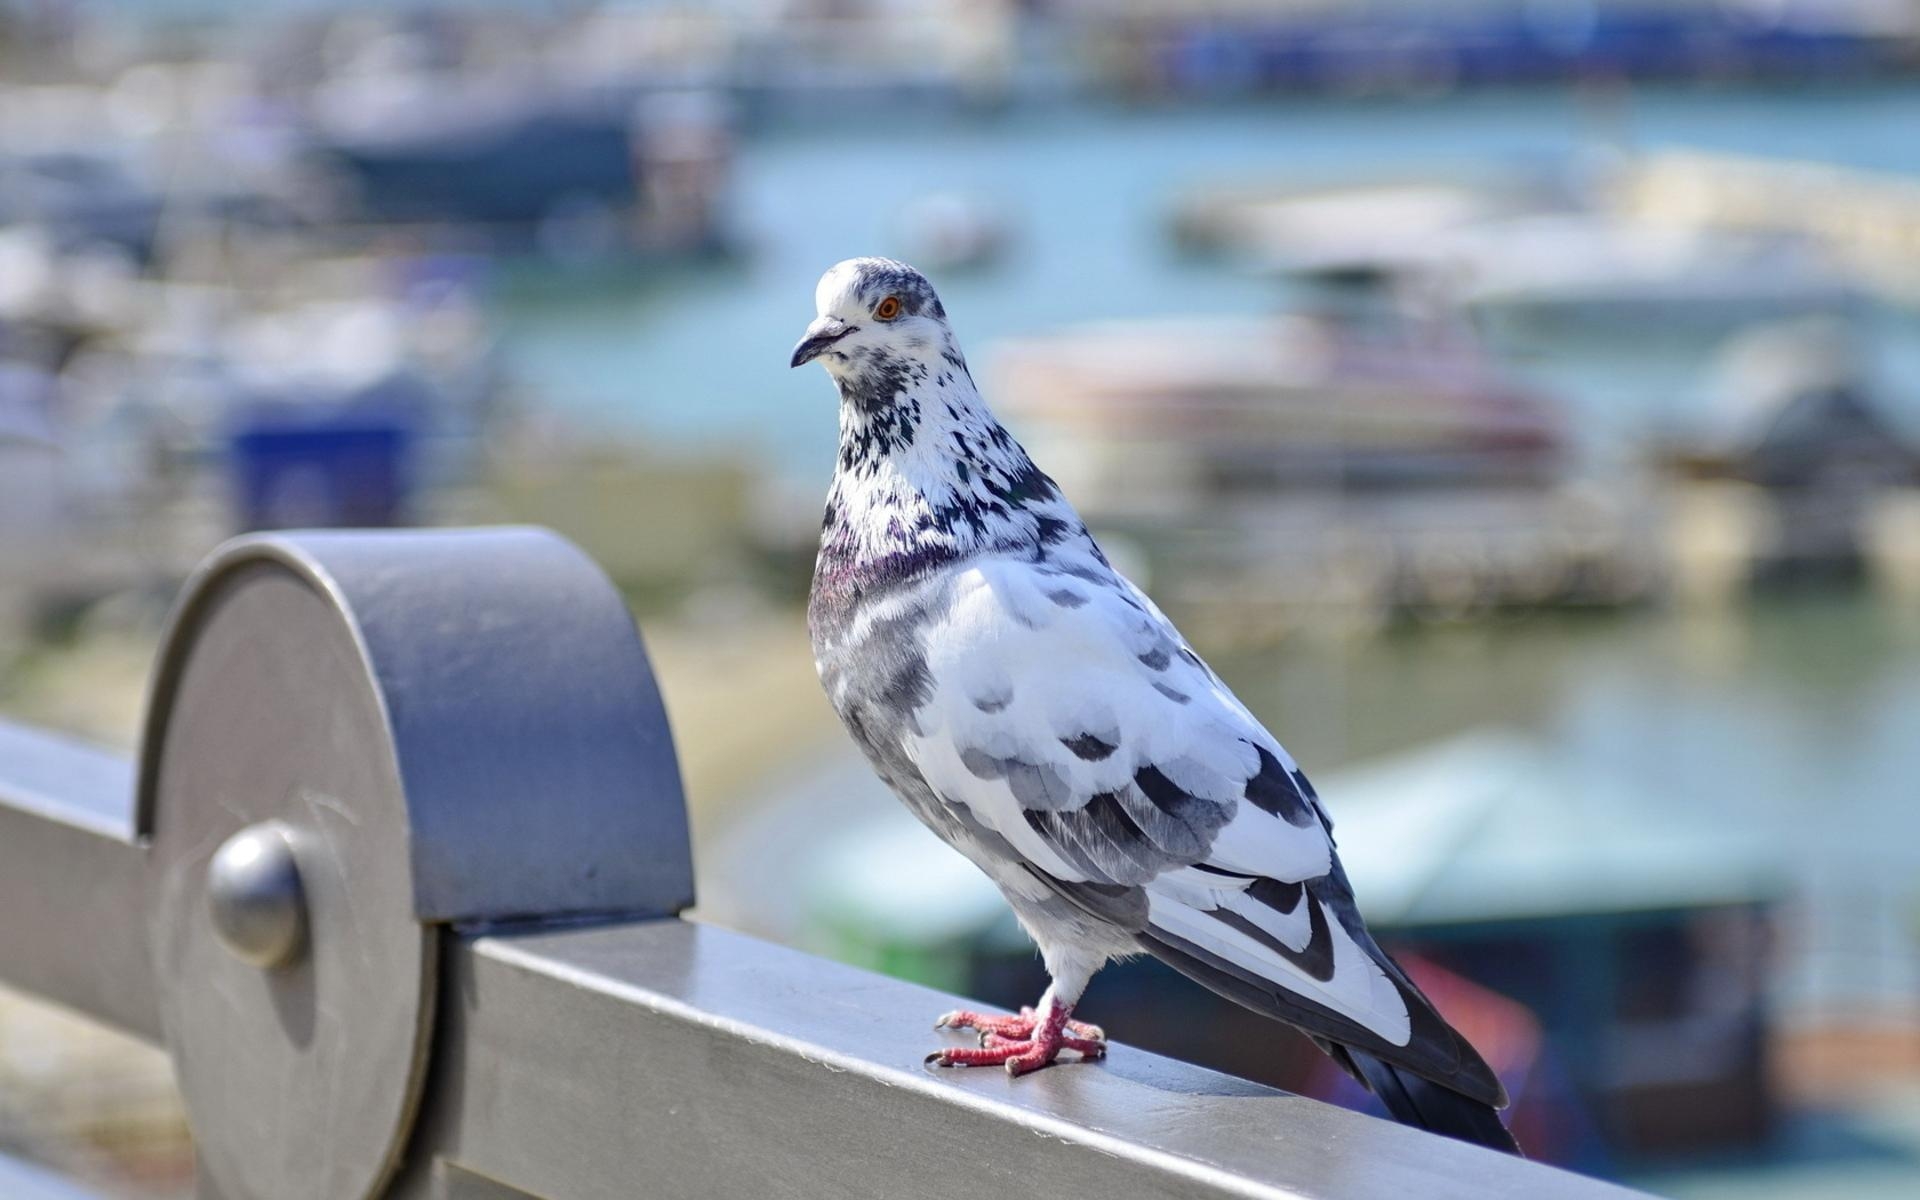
[887, 309]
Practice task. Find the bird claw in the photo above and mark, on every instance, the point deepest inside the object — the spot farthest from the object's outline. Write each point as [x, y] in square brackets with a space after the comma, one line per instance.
[1018, 1057]
[1018, 1025]
[1021, 1043]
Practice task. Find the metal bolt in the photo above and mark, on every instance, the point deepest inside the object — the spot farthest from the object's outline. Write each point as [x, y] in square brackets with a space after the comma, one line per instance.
[254, 895]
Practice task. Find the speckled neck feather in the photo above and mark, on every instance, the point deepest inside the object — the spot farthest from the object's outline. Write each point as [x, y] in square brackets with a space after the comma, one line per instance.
[926, 476]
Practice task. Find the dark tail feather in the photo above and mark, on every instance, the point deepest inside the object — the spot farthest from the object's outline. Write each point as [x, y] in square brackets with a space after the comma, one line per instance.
[1427, 1105]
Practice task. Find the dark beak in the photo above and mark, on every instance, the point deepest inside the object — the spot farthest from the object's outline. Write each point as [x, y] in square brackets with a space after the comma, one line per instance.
[820, 335]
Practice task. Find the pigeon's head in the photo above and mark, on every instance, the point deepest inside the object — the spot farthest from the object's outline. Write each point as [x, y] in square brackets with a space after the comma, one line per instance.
[874, 315]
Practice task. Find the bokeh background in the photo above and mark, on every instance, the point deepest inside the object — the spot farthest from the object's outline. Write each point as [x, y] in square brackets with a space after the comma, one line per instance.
[1518, 402]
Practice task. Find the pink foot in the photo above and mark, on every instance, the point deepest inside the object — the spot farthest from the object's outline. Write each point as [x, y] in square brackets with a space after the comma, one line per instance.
[1021, 1043]
[1017, 1026]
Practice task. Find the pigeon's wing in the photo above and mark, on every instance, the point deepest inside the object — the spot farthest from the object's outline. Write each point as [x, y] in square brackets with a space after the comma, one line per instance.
[1063, 712]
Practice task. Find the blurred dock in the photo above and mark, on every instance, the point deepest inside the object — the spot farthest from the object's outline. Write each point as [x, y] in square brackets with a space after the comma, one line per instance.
[1161, 49]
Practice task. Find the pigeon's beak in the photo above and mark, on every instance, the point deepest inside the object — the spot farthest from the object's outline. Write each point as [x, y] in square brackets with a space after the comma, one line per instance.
[820, 335]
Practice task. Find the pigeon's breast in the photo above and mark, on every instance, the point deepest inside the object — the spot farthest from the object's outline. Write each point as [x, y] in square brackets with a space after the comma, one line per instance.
[871, 653]
[870, 650]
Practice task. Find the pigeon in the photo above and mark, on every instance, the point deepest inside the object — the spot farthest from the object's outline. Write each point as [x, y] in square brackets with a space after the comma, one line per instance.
[1041, 715]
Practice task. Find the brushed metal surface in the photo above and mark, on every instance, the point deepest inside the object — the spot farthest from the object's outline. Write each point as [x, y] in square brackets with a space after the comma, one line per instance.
[73, 880]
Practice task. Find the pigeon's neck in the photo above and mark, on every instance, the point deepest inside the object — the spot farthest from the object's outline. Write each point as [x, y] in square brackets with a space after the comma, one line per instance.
[926, 476]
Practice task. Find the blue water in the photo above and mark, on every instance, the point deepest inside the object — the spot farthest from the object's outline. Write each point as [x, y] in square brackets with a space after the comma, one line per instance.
[698, 356]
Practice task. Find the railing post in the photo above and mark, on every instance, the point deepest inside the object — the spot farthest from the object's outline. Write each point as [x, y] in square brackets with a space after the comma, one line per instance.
[352, 740]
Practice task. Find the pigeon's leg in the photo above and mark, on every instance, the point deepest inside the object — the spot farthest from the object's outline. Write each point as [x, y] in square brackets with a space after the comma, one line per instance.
[1036, 1037]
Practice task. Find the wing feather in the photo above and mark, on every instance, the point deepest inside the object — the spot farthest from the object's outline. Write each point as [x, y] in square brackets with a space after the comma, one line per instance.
[1067, 716]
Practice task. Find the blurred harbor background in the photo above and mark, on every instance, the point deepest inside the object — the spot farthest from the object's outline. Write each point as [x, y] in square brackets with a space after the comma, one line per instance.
[1518, 402]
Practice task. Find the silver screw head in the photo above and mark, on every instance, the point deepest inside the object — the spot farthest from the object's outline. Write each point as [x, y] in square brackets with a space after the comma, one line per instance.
[255, 898]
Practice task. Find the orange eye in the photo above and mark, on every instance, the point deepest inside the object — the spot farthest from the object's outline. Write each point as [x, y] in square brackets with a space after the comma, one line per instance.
[887, 309]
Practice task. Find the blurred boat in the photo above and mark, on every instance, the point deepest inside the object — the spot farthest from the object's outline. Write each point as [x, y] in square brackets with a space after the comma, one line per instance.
[1794, 404]
[1322, 460]
[577, 173]
[1638, 933]
[168, 151]
[1798, 460]
[1359, 230]
[1868, 220]
[82, 198]
[1677, 243]
[1587, 275]
[1198, 406]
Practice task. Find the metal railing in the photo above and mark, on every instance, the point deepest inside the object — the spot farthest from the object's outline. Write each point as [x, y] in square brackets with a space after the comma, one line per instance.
[396, 882]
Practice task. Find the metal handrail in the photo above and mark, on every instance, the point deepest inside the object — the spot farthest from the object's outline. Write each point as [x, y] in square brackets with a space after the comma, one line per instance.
[396, 881]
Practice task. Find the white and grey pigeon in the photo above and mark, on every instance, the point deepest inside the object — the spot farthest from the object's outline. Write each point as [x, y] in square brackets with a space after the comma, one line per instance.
[1039, 713]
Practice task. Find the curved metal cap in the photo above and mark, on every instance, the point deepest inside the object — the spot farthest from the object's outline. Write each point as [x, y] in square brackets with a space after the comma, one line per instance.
[536, 763]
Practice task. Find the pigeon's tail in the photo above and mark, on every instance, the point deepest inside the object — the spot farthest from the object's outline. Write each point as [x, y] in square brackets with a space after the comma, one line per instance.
[1427, 1105]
